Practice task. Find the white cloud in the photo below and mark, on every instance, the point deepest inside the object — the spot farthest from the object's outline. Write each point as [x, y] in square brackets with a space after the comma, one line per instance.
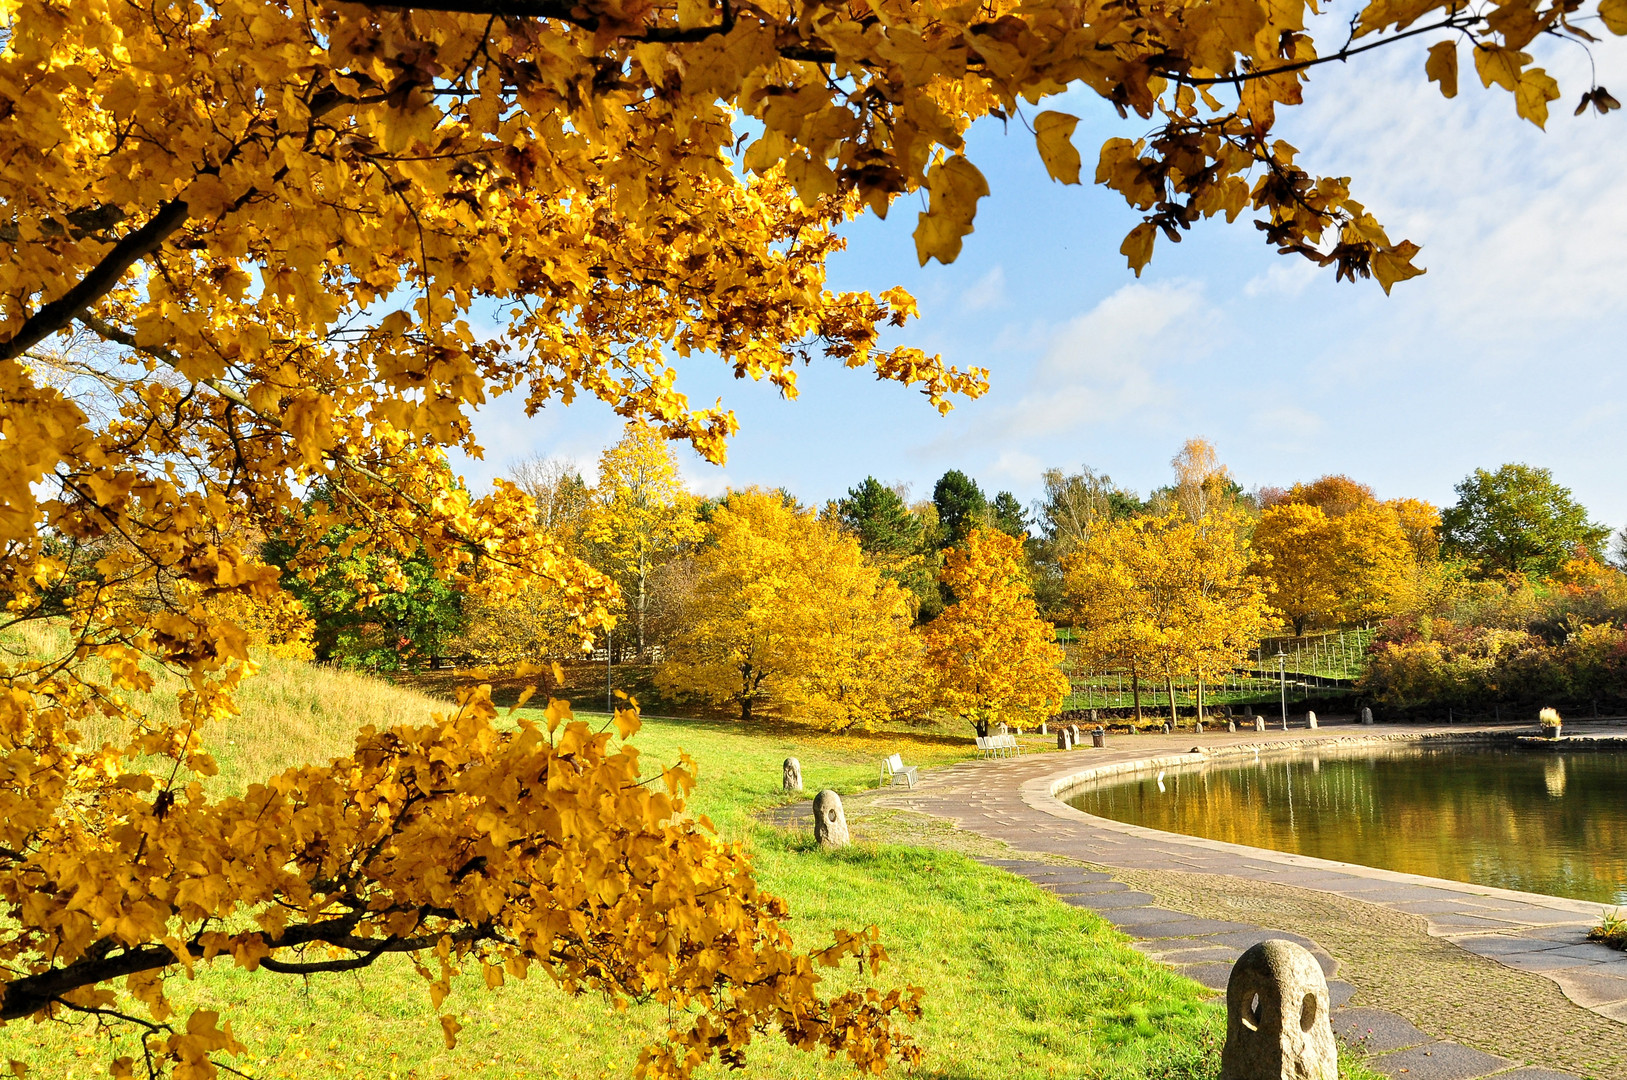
[1104, 364]
[1285, 278]
[986, 292]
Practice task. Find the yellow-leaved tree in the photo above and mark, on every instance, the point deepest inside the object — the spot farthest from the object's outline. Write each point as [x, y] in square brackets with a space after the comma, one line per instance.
[1337, 561]
[1168, 595]
[249, 249]
[786, 610]
[640, 515]
[989, 656]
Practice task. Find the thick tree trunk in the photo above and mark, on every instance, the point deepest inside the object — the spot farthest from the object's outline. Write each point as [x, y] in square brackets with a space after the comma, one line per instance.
[745, 710]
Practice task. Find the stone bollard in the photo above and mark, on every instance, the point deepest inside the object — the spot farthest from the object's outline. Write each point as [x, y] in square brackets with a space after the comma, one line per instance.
[1277, 1025]
[1166, 729]
[1073, 733]
[1098, 738]
[791, 775]
[1231, 727]
[1259, 723]
[1042, 725]
[1198, 727]
[830, 822]
[1248, 712]
[1062, 742]
[1310, 719]
[1366, 715]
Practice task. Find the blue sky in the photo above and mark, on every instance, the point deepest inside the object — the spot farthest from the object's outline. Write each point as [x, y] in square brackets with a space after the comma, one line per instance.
[1509, 349]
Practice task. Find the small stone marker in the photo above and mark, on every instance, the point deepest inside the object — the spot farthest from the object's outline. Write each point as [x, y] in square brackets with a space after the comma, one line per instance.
[1248, 711]
[1259, 723]
[1073, 733]
[1098, 738]
[1277, 1025]
[792, 775]
[1366, 715]
[1166, 729]
[1231, 726]
[1310, 719]
[1062, 740]
[1199, 727]
[830, 822]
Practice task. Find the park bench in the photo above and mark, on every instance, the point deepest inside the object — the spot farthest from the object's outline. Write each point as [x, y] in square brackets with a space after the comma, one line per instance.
[893, 768]
[998, 745]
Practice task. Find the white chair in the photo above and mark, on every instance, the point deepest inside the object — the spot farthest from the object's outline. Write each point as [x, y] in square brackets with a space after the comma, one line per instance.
[893, 769]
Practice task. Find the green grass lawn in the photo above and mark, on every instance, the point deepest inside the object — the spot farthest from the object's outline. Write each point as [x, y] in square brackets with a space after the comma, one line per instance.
[1017, 983]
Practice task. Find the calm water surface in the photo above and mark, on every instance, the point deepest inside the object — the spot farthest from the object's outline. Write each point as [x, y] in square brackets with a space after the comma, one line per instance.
[1540, 822]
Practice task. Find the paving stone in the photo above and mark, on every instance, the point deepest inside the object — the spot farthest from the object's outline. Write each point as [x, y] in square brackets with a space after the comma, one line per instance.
[1102, 901]
[1590, 988]
[1133, 920]
[1196, 928]
[1439, 1061]
[1500, 945]
[1544, 962]
[1155, 948]
[1588, 950]
[1213, 975]
[1084, 888]
[1244, 939]
[1376, 1031]
[1340, 993]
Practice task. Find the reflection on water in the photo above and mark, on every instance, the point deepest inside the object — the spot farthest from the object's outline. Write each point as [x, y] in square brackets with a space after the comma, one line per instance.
[1540, 822]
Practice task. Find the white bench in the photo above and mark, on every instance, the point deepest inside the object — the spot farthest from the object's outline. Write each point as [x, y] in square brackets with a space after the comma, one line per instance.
[893, 768]
[998, 745]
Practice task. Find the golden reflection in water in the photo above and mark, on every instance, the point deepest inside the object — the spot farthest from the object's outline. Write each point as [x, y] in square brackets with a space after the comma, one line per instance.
[1536, 821]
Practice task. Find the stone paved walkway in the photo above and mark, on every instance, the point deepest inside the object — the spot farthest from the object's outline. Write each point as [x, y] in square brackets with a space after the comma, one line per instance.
[1014, 801]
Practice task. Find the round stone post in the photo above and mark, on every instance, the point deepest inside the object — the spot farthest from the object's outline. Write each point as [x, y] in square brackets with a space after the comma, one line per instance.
[830, 822]
[1366, 715]
[1259, 723]
[1277, 1025]
[1062, 742]
[791, 775]
[1310, 719]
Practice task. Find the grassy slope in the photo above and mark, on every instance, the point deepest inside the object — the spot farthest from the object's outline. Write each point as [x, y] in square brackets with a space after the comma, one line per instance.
[1017, 983]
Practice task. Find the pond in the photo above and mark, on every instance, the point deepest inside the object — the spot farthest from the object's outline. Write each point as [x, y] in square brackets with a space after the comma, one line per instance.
[1543, 822]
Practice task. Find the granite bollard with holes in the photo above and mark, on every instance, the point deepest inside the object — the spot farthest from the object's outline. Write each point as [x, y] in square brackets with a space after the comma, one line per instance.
[830, 822]
[1277, 1025]
[791, 775]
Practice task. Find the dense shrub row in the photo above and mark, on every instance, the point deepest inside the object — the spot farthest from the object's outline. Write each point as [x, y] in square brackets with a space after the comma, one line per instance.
[1524, 646]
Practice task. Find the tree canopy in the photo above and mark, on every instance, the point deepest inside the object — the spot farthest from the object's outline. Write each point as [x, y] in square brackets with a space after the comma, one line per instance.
[1518, 520]
[252, 247]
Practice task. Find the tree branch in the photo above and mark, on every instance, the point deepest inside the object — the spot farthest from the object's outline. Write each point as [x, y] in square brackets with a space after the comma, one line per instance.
[59, 313]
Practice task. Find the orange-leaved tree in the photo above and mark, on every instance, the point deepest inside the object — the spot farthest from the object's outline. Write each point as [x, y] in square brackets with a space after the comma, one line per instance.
[254, 247]
[786, 610]
[989, 656]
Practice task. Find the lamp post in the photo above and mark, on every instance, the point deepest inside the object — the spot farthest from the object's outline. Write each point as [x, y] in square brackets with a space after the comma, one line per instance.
[1282, 684]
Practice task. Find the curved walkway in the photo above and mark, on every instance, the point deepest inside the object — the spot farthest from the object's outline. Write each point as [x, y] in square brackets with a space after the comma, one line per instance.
[1197, 903]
